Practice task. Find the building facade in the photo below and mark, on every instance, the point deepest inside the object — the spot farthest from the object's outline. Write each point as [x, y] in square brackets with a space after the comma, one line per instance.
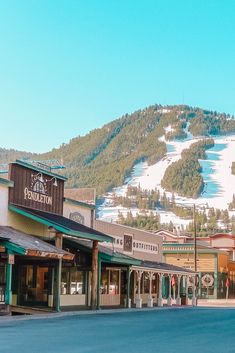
[55, 255]
[215, 263]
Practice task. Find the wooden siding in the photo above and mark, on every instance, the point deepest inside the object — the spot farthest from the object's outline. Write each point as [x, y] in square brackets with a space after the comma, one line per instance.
[205, 263]
[22, 178]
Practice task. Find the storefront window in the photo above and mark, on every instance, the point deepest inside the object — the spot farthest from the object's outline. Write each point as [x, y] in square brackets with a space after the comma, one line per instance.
[72, 281]
[146, 283]
[104, 282]
[114, 282]
[110, 282]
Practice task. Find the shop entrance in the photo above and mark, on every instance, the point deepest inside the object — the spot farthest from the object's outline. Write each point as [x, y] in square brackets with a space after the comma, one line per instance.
[34, 285]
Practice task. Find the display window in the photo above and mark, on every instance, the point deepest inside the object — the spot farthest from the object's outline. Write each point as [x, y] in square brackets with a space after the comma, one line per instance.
[110, 282]
[72, 281]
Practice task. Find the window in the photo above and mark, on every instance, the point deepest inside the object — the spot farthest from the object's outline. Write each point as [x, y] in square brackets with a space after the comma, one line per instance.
[104, 282]
[72, 281]
[114, 282]
[110, 282]
[127, 243]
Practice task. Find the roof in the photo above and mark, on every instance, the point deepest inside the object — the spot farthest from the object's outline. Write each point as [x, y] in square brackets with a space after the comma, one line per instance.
[170, 234]
[168, 248]
[110, 227]
[222, 235]
[164, 267]
[6, 182]
[25, 244]
[40, 170]
[61, 224]
[106, 254]
[84, 195]
[79, 203]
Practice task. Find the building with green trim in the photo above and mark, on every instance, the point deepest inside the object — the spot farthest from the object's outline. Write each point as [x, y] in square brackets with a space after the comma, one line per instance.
[55, 255]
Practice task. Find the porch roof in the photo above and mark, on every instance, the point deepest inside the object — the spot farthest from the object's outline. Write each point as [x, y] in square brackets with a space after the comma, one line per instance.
[162, 267]
[61, 223]
[105, 254]
[24, 244]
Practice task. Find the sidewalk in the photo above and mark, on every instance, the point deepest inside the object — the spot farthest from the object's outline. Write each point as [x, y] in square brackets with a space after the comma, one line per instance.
[216, 302]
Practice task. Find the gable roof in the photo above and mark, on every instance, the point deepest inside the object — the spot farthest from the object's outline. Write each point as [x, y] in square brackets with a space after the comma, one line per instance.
[25, 244]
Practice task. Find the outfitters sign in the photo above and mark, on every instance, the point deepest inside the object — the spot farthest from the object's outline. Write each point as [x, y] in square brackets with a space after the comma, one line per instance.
[35, 189]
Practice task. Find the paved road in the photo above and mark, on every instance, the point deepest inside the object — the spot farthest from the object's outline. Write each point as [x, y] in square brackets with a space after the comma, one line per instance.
[191, 330]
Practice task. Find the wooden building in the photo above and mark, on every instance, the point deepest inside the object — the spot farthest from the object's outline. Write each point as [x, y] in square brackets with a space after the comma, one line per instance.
[215, 261]
[31, 208]
[54, 254]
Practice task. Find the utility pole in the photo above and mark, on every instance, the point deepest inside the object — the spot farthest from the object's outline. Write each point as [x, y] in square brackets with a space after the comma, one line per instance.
[195, 237]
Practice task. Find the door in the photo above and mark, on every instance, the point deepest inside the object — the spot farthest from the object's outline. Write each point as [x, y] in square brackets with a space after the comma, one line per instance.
[34, 285]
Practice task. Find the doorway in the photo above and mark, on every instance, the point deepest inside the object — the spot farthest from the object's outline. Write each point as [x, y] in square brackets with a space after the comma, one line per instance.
[34, 285]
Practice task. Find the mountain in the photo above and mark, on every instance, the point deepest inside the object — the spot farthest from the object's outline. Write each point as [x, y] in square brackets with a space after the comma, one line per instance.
[105, 157]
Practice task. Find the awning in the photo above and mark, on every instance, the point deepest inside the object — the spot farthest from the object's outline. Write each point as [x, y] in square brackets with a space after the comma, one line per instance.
[61, 224]
[24, 244]
[162, 267]
[105, 254]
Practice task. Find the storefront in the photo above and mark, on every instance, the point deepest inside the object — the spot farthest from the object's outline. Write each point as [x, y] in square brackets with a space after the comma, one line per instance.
[54, 261]
[213, 267]
[34, 226]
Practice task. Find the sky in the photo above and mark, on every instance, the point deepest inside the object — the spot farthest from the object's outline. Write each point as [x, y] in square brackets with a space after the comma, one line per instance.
[70, 66]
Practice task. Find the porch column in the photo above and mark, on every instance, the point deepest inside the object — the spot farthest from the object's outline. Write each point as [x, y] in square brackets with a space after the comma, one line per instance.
[94, 274]
[58, 244]
[178, 299]
[150, 298]
[99, 281]
[194, 299]
[186, 288]
[128, 300]
[8, 291]
[58, 285]
[160, 301]
[139, 299]
[169, 299]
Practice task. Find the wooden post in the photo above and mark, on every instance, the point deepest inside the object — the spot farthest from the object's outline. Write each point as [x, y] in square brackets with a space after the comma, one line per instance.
[59, 240]
[160, 301]
[150, 298]
[178, 299]
[128, 287]
[169, 301]
[58, 244]
[99, 281]
[8, 291]
[58, 284]
[94, 275]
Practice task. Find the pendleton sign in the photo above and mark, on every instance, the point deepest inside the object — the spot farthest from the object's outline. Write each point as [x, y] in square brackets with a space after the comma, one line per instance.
[36, 188]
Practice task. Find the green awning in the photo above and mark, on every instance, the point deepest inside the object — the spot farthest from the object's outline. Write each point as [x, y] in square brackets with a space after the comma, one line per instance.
[61, 224]
[106, 254]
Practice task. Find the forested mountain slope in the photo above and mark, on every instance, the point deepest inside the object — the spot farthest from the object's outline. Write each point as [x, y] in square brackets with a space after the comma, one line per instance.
[104, 157]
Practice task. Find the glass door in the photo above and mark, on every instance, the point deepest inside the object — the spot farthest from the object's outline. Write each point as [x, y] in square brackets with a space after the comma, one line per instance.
[34, 285]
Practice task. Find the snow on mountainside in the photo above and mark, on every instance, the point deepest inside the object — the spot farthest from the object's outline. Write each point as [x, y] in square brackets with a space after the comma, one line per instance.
[216, 172]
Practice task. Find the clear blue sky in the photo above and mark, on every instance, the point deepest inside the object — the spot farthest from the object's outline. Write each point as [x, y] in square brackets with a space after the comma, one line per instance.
[69, 66]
